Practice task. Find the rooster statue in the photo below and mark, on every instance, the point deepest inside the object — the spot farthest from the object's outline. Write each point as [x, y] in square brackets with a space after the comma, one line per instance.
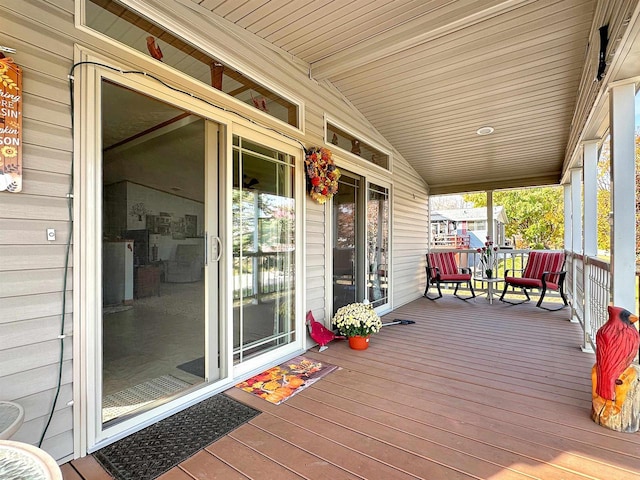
[613, 379]
[319, 332]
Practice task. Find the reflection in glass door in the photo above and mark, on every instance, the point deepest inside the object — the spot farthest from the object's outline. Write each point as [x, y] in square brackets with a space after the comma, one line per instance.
[264, 217]
[347, 286]
[154, 277]
[378, 244]
[360, 242]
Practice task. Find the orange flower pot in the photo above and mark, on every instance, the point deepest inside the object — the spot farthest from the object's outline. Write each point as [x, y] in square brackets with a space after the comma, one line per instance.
[359, 343]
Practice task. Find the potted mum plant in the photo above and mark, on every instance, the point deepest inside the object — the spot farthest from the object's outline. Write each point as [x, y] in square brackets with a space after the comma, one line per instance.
[357, 321]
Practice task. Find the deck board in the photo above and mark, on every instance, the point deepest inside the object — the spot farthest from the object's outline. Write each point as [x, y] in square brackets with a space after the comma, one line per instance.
[69, 472]
[471, 390]
[249, 461]
[179, 474]
[203, 465]
[89, 468]
[310, 439]
[282, 449]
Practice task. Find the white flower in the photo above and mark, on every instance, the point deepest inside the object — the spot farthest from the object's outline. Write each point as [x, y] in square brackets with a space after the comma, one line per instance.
[357, 319]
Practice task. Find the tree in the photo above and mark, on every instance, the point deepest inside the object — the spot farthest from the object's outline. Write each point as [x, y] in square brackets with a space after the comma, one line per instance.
[536, 215]
[604, 197]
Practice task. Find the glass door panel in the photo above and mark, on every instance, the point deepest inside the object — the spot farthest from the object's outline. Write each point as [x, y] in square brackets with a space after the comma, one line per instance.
[263, 249]
[346, 242]
[154, 277]
[360, 242]
[378, 244]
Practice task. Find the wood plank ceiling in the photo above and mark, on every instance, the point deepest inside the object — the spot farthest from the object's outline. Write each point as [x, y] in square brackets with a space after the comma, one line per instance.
[429, 73]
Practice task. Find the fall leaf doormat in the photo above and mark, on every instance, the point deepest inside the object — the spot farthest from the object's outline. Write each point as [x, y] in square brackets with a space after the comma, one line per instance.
[282, 382]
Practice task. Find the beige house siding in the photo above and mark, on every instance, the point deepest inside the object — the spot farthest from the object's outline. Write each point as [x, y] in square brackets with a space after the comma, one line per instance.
[32, 269]
[409, 226]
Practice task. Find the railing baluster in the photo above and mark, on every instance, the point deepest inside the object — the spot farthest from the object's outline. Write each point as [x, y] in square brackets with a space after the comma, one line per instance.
[590, 294]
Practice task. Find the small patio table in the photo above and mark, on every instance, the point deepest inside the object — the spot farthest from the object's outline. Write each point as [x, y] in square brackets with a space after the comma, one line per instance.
[11, 416]
[490, 289]
[26, 462]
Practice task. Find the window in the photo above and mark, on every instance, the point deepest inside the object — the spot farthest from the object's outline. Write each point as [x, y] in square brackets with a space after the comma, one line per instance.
[117, 22]
[350, 143]
[474, 225]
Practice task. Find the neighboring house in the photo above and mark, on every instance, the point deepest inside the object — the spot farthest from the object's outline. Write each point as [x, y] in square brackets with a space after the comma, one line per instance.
[466, 227]
[196, 250]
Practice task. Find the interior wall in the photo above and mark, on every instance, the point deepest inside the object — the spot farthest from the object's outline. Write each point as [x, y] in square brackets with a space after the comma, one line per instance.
[158, 203]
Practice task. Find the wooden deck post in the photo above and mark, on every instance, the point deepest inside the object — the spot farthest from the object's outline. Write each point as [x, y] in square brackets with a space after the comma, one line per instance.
[623, 413]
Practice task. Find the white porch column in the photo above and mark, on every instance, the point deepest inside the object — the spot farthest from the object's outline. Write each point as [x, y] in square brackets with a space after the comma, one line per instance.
[590, 233]
[567, 216]
[623, 235]
[590, 172]
[576, 210]
[491, 228]
[576, 232]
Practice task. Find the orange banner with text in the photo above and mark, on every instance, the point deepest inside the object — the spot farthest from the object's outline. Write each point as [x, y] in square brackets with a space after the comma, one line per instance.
[10, 126]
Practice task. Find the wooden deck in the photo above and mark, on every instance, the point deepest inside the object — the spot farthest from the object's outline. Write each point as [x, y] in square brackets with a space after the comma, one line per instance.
[471, 390]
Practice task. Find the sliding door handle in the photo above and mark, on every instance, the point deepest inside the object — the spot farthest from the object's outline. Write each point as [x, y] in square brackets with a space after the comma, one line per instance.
[206, 248]
[217, 248]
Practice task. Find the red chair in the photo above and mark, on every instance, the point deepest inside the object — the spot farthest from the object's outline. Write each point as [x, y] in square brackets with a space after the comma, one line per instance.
[543, 271]
[442, 267]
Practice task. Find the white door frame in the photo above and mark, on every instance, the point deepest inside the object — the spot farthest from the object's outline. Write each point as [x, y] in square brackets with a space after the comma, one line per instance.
[88, 433]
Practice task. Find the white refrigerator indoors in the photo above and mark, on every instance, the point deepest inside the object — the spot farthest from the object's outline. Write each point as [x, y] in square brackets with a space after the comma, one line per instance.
[117, 273]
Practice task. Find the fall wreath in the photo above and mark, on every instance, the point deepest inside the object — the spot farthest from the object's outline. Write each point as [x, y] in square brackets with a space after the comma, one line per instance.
[322, 174]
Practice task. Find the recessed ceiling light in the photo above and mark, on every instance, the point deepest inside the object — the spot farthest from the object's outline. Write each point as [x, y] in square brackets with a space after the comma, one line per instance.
[485, 131]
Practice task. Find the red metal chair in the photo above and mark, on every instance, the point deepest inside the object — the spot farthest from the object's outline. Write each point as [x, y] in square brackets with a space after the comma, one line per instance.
[543, 271]
[442, 267]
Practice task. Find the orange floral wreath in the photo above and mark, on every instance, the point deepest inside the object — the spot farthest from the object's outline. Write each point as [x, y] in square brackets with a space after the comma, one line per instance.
[322, 174]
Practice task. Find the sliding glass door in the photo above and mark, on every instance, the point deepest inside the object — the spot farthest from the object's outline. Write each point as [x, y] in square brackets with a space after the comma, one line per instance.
[360, 242]
[159, 327]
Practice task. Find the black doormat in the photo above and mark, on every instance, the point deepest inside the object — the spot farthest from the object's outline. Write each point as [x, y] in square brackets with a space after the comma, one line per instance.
[194, 367]
[156, 449]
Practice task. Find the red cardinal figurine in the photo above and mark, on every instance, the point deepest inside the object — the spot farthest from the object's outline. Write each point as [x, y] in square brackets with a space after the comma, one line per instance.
[319, 332]
[616, 345]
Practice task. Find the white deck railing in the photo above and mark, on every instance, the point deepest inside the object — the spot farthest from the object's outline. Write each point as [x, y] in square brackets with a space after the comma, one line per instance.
[587, 284]
[507, 259]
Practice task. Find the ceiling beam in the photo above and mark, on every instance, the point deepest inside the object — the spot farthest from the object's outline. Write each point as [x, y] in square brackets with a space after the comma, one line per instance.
[551, 179]
[426, 27]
